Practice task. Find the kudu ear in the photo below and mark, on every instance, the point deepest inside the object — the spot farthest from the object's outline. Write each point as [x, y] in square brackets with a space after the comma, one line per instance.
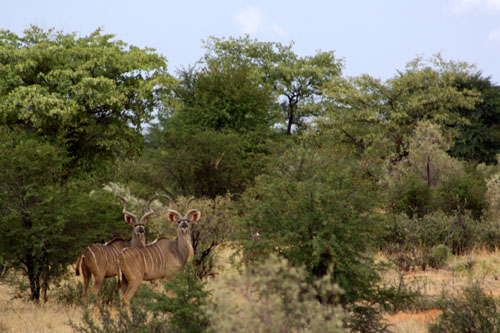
[173, 215]
[129, 219]
[193, 215]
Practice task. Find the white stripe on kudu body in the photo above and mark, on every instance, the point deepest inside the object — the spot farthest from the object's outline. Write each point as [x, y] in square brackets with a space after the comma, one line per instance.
[100, 260]
[166, 256]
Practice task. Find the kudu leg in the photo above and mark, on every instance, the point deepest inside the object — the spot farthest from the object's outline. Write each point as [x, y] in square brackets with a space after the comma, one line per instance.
[98, 280]
[86, 274]
[131, 289]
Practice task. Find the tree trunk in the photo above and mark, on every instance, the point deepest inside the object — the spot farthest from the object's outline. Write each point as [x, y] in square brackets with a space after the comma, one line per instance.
[34, 279]
[45, 279]
[290, 118]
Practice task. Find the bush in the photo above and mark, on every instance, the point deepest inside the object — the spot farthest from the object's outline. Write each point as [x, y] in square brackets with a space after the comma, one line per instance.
[185, 307]
[439, 256]
[459, 233]
[274, 297]
[317, 213]
[71, 293]
[460, 193]
[410, 196]
[493, 196]
[472, 311]
[151, 311]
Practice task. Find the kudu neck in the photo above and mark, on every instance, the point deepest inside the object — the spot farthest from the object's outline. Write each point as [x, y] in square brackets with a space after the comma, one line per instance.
[138, 240]
[184, 242]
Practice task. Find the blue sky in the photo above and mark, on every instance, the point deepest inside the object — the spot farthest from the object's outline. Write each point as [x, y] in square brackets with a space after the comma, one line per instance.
[376, 37]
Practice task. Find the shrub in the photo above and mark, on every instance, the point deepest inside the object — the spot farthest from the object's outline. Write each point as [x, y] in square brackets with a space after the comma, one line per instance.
[274, 297]
[439, 256]
[151, 311]
[459, 233]
[71, 293]
[462, 192]
[493, 196]
[411, 196]
[185, 307]
[472, 311]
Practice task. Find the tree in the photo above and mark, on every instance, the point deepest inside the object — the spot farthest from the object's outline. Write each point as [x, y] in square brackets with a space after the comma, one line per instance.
[297, 81]
[90, 95]
[195, 161]
[314, 207]
[479, 139]
[45, 221]
[370, 115]
[223, 96]
[69, 107]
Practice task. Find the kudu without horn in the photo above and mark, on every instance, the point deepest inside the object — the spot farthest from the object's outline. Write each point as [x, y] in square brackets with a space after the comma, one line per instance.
[100, 260]
[161, 259]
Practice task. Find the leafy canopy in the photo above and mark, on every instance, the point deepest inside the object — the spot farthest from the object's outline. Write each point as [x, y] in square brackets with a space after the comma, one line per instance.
[89, 94]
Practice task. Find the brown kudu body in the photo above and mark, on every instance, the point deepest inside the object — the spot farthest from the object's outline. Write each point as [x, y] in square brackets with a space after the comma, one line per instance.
[100, 260]
[159, 260]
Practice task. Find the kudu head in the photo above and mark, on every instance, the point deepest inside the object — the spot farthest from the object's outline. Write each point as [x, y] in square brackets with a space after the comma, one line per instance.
[138, 225]
[183, 221]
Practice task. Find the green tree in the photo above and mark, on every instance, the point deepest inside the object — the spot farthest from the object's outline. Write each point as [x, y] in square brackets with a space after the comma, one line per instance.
[368, 114]
[194, 161]
[223, 96]
[314, 207]
[90, 95]
[45, 221]
[297, 81]
[479, 139]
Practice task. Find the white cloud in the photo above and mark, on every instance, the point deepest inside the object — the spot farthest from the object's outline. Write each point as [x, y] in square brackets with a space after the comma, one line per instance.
[278, 29]
[494, 35]
[495, 4]
[462, 6]
[250, 20]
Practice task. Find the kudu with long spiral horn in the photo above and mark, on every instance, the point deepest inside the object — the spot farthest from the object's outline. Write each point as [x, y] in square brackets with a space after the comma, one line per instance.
[100, 260]
[162, 258]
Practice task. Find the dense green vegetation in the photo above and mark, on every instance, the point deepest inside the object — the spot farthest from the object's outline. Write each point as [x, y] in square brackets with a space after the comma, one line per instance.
[287, 158]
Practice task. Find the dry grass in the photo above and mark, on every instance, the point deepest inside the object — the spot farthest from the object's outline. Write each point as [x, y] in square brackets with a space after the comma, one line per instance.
[481, 266]
[21, 315]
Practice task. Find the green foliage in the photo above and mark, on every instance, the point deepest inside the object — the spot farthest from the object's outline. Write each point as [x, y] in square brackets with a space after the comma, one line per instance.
[154, 312]
[136, 321]
[313, 209]
[199, 162]
[273, 296]
[223, 96]
[370, 114]
[462, 192]
[44, 212]
[471, 311]
[70, 293]
[459, 233]
[89, 95]
[410, 196]
[185, 308]
[479, 139]
[492, 196]
[297, 82]
[439, 256]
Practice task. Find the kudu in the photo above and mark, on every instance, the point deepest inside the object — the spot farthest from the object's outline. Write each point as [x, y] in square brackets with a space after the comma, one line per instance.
[100, 260]
[159, 260]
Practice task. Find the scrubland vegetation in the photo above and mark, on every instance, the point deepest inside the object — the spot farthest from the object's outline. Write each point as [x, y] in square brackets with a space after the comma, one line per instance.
[328, 203]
